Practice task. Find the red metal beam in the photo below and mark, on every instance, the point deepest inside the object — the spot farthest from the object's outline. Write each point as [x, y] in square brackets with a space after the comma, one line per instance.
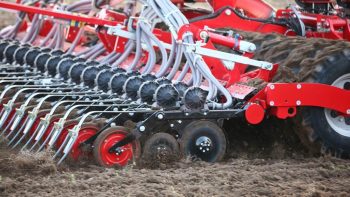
[308, 94]
[57, 14]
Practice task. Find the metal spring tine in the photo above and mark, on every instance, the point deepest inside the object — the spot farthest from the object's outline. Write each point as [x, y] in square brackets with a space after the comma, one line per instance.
[3, 120]
[2, 111]
[15, 124]
[41, 130]
[19, 130]
[58, 131]
[20, 115]
[9, 125]
[7, 113]
[25, 132]
[33, 135]
[25, 104]
[31, 138]
[19, 141]
[73, 134]
[51, 132]
[45, 141]
[60, 148]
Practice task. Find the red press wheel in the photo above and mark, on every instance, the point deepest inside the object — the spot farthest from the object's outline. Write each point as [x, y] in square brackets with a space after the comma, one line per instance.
[106, 140]
[87, 130]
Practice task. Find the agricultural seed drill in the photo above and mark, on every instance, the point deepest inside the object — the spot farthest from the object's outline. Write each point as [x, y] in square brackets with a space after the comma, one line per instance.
[123, 84]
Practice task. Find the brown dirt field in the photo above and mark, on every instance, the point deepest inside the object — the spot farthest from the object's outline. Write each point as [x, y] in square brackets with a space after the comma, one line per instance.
[261, 162]
[235, 177]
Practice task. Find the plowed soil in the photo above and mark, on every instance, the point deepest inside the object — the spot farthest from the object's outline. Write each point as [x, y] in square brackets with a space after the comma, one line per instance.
[261, 162]
[235, 177]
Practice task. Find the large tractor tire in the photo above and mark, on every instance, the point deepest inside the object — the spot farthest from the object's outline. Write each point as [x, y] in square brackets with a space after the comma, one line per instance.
[314, 61]
[329, 127]
[311, 60]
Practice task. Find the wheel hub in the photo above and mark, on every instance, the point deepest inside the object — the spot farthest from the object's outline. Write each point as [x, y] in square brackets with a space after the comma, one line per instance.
[163, 150]
[204, 144]
[338, 122]
[119, 151]
[121, 155]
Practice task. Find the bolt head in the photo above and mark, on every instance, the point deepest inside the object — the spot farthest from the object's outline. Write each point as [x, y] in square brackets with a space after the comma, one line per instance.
[299, 86]
[203, 35]
[142, 128]
[272, 103]
[298, 102]
[160, 116]
[228, 12]
[272, 87]
[348, 111]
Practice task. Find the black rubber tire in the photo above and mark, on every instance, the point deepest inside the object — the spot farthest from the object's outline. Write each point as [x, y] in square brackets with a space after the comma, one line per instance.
[103, 136]
[314, 119]
[209, 129]
[170, 153]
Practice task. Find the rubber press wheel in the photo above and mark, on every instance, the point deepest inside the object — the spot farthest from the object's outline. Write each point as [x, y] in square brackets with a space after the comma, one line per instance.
[124, 154]
[204, 140]
[161, 147]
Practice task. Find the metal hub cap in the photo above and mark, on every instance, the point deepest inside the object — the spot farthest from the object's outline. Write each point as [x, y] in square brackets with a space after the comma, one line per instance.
[336, 121]
[204, 144]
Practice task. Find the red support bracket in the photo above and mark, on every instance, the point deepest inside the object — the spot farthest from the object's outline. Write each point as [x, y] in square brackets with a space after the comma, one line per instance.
[284, 97]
